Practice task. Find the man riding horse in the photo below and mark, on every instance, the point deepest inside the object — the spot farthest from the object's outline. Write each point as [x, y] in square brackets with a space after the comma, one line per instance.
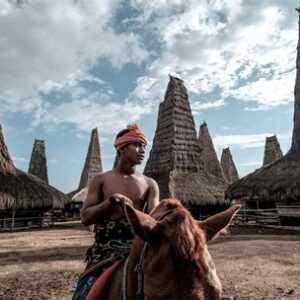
[113, 235]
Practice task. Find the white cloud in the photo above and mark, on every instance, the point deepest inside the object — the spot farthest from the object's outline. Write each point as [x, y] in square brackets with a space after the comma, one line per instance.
[251, 164]
[266, 93]
[49, 46]
[225, 44]
[244, 141]
[197, 106]
[20, 159]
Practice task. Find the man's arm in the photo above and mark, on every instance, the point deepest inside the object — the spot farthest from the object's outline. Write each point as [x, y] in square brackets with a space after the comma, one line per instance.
[92, 210]
[153, 196]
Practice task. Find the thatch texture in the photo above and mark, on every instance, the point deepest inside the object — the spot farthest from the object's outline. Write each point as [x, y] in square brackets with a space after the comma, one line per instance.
[174, 160]
[80, 196]
[197, 188]
[175, 144]
[208, 153]
[229, 170]
[38, 161]
[92, 165]
[280, 180]
[22, 191]
[6, 163]
[272, 150]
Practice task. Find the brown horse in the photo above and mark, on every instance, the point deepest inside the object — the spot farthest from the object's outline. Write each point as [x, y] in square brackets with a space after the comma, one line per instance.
[176, 263]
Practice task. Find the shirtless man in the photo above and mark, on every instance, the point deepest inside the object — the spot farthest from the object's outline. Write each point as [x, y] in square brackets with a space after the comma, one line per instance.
[113, 233]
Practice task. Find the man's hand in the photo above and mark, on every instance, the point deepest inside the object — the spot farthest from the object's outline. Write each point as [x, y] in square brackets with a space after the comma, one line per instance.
[120, 199]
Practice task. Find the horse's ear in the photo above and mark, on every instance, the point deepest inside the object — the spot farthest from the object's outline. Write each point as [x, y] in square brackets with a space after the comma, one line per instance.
[141, 223]
[216, 224]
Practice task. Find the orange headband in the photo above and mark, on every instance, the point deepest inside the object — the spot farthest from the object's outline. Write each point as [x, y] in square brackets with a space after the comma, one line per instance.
[134, 135]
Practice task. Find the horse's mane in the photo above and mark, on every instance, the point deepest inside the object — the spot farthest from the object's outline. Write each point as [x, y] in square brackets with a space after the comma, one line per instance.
[183, 232]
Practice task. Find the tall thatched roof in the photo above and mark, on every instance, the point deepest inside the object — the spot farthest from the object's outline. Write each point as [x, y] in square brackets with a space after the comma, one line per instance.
[6, 163]
[208, 153]
[92, 165]
[38, 161]
[279, 180]
[174, 160]
[229, 170]
[19, 190]
[272, 150]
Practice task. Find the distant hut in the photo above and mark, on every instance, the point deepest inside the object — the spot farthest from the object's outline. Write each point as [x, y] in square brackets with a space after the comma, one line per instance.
[175, 161]
[280, 180]
[208, 153]
[38, 161]
[24, 198]
[272, 150]
[229, 170]
[92, 166]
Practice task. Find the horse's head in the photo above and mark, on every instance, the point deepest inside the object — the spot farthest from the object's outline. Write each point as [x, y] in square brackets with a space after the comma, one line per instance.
[170, 219]
[178, 259]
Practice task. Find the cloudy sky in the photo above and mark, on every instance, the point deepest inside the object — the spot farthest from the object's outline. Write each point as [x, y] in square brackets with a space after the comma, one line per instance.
[68, 66]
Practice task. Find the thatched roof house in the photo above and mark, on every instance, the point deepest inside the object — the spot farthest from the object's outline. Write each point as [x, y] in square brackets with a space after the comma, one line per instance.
[229, 170]
[38, 161]
[22, 191]
[92, 165]
[279, 180]
[208, 153]
[175, 159]
[80, 196]
[272, 150]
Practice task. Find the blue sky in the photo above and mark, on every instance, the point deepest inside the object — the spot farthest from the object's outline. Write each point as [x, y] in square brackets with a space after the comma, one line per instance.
[69, 66]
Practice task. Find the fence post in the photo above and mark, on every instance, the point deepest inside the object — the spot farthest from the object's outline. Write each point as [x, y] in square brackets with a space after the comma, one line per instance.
[13, 221]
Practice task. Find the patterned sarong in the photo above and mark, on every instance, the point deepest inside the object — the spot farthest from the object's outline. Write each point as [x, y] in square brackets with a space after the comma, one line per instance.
[113, 240]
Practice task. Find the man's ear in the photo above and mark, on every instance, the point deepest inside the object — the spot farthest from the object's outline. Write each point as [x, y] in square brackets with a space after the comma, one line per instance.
[142, 224]
[216, 224]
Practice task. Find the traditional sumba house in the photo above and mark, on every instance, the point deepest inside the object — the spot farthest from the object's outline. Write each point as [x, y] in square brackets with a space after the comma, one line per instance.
[38, 161]
[92, 166]
[229, 170]
[278, 181]
[175, 161]
[208, 153]
[24, 198]
[272, 150]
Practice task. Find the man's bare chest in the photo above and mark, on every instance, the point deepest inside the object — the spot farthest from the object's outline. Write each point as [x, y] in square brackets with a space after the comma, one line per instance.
[133, 188]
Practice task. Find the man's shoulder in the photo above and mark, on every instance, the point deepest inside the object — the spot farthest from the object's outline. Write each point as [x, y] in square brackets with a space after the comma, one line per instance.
[149, 180]
[103, 175]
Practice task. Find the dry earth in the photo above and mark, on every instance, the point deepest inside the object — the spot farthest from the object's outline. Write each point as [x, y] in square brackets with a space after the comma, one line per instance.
[45, 264]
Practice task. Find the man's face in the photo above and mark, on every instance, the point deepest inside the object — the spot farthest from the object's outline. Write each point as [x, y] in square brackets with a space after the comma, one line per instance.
[134, 152]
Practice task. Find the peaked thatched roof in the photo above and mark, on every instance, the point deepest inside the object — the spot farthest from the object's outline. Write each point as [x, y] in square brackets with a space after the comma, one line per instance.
[19, 190]
[92, 165]
[6, 163]
[174, 160]
[272, 150]
[38, 161]
[279, 180]
[208, 153]
[80, 196]
[229, 170]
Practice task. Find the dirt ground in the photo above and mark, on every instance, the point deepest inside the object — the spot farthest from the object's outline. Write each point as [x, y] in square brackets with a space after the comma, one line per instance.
[45, 264]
